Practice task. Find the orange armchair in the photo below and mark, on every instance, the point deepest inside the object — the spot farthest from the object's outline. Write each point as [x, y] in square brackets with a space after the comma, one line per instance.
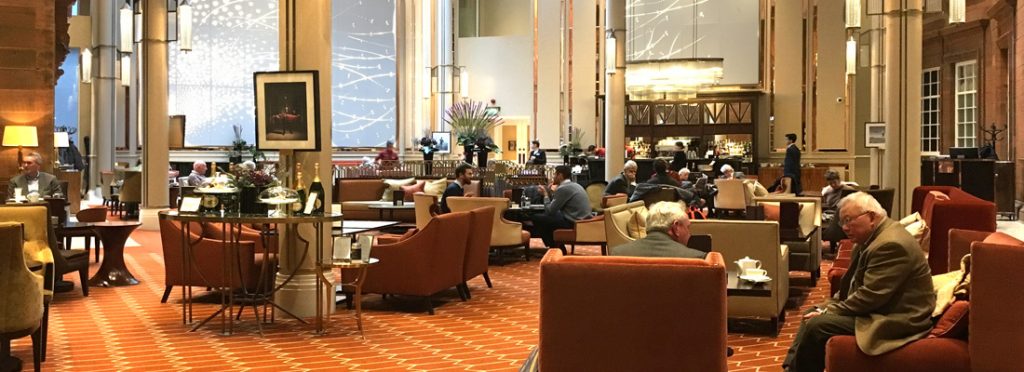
[478, 247]
[672, 316]
[207, 268]
[426, 263]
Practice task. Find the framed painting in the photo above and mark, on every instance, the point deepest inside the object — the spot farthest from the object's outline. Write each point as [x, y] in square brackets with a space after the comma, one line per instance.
[287, 110]
[874, 135]
[444, 142]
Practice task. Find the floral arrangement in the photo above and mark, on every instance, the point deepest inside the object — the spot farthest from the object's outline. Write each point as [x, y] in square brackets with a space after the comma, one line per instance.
[427, 144]
[246, 175]
[574, 145]
[471, 122]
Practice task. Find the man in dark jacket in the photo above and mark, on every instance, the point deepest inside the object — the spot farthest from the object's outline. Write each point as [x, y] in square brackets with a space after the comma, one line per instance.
[668, 231]
[791, 165]
[661, 176]
[537, 156]
[679, 158]
[625, 183]
[463, 177]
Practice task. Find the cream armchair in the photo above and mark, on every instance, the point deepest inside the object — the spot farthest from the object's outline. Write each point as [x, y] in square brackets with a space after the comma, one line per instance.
[426, 208]
[805, 255]
[504, 234]
[733, 196]
[589, 231]
[616, 222]
[758, 240]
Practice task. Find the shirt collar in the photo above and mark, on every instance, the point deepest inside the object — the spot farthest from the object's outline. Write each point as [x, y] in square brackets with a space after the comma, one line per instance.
[564, 182]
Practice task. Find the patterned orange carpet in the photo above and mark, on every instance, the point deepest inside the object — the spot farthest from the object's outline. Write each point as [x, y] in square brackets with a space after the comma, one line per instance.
[128, 328]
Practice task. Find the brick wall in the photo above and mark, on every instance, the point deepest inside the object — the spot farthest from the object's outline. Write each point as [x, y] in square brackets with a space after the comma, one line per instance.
[26, 74]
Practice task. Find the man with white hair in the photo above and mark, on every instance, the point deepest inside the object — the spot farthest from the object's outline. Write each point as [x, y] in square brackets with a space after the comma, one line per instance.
[198, 175]
[625, 183]
[32, 179]
[885, 299]
[728, 173]
[668, 231]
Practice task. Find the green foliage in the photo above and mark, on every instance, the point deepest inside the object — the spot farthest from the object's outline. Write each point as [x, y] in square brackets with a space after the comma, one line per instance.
[471, 123]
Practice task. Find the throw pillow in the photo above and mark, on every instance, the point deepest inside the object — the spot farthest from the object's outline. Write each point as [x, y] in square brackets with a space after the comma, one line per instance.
[944, 285]
[1002, 238]
[953, 323]
[771, 211]
[413, 189]
[919, 229]
[637, 227]
[393, 185]
[435, 188]
[910, 219]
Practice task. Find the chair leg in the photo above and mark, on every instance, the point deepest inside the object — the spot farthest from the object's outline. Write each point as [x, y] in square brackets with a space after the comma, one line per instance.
[83, 274]
[604, 249]
[465, 288]
[430, 305]
[45, 329]
[562, 247]
[487, 278]
[97, 239]
[167, 294]
[37, 350]
[462, 291]
[572, 248]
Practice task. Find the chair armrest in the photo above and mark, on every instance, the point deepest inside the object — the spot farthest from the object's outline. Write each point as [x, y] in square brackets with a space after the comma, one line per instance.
[591, 230]
[960, 244]
[927, 354]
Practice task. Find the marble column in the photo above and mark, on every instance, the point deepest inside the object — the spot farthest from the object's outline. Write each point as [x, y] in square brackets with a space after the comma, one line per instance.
[105, 85]
[615, 90]
[902, 96]
[305, 44]
[153, 104]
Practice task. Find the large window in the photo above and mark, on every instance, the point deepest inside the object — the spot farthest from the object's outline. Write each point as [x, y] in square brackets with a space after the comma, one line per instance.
[966, 103]
[65, 94]
[363, 82]
[930, 98]
[212, 85]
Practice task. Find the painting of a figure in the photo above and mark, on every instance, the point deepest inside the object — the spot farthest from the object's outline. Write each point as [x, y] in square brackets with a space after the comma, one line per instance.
[287, 110]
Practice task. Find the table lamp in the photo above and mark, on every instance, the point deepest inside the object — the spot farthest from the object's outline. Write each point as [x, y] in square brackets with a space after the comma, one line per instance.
[20, 135]
[60, 140]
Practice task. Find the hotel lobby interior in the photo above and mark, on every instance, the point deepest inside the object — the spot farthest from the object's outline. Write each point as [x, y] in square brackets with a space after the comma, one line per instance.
[500, 185]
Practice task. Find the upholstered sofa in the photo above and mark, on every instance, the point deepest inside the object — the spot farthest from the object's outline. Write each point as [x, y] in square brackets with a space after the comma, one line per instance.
[961, 211]
[803, 255]
[736, 239]
[667, 314]
[994, 339]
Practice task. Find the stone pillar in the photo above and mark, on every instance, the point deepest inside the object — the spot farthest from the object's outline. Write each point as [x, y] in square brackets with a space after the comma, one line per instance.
[902, 96]
[153, 104]
[105, 85]
[305, 43]
[615, 90]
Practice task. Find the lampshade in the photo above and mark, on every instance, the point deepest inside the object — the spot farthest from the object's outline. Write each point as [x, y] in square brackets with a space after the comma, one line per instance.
[126, 70]
[853, 13]
[610, 55]
[185, 26]
[851, 56]
[20, 135]
[86, 65]
[61, 139]
[957, 11]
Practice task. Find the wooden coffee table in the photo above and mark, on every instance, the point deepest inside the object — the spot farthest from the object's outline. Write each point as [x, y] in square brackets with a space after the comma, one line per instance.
[113, 272]
[737, 287]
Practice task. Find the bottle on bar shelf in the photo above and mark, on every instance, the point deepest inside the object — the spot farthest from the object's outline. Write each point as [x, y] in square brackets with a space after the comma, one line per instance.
[318, 188]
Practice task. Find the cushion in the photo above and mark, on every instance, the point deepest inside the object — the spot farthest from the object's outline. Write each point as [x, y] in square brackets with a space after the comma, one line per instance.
[945, 284]
[622, 218]
[771, 211]
[637, 225]
[411, 190]
[393, 185]
[953, 323]
[564, 235]
[1002, 238]
[910, 219]
[919, 230]
[435, 188]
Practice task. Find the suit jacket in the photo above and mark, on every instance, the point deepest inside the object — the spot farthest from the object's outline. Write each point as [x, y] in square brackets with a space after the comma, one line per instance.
[619, 185]
[888, 289]
[656, 244]
[678, 161]
[453, 189]
[663, 179]
[538, 157]
[571, 200]
[48, 184]
[791, 167]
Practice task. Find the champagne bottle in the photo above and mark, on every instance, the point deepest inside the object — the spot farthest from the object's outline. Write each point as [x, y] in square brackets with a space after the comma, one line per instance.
[318, 188]
[300, 189]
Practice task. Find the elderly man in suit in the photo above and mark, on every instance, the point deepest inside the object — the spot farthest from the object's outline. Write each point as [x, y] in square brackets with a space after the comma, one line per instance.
[885, 299]
[569, 203]
[668, 231]
[32, 179]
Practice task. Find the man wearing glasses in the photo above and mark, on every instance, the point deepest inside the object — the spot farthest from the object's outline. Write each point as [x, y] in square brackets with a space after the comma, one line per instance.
[885, 299]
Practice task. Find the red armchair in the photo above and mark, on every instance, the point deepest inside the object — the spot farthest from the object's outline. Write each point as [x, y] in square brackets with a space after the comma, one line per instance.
[208, 260]
[670, 313]
[995, 340]
[478, 247]
[426, 263]
[962, 211]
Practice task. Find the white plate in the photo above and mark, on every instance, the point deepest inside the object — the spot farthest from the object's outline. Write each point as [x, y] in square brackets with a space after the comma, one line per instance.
[756, 279]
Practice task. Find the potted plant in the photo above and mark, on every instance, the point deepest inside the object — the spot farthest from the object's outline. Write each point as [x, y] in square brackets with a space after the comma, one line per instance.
[470, 122]
[484, 145]
[573, 146]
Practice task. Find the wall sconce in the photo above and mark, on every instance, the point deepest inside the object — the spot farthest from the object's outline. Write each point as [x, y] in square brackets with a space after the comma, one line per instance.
[179, 24]
[126, 70]
[957, 11]
[86, 65]
[610, 54]
[443, 80]
[851, 56]
[185, 26]
[853, 13]
[126, 29]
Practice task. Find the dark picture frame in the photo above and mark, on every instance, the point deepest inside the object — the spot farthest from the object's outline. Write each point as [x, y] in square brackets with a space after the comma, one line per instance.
[444, 142]
[287, 110]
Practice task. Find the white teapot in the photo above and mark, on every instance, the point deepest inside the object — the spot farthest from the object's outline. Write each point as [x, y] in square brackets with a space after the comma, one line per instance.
[748, 263]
